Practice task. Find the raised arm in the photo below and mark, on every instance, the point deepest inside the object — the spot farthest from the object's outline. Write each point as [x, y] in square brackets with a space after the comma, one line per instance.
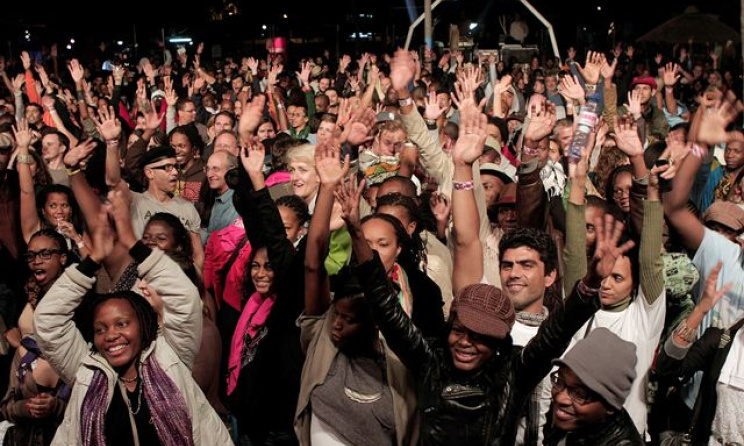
[650, 262]
[59, 339]
[110, 130]
[468, 255]
[576, 227]
[30, 222]
[182, 311]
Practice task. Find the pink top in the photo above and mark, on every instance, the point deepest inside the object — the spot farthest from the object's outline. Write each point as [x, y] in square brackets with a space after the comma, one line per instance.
[278, 178]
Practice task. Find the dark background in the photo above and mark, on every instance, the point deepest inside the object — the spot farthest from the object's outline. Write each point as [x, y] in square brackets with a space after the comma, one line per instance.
[317, 25]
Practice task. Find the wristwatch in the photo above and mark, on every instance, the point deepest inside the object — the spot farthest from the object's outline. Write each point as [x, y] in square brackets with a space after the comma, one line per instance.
[405, 102]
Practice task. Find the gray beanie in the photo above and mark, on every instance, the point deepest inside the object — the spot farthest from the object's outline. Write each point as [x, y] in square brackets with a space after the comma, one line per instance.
[605, 364]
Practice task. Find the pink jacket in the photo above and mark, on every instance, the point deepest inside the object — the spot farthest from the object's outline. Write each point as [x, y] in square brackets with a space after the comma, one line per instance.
[219, 248]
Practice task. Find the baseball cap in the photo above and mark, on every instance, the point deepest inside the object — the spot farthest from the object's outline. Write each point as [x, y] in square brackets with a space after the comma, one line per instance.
[644, 80]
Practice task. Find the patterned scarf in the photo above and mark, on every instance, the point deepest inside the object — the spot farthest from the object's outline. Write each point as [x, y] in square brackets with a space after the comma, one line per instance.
[723, 187]
[166, 403]
[400, 279]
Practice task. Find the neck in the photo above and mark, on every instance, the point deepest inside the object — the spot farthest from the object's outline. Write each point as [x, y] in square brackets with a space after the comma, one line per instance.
[158, 194]
[187, 165]
[223, 189]
[617, 306]
[56, 164]
[536, 307]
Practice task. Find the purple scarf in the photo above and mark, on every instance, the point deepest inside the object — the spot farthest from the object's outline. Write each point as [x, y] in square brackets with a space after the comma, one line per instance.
[167, 407]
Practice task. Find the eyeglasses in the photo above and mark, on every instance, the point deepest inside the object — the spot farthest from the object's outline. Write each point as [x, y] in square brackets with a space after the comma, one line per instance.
[165, 167]
[579, 395]
[620, 193]
[296, 115]
[44, 254]
[214, 169]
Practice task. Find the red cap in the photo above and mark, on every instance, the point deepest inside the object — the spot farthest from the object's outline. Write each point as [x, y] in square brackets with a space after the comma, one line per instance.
[644, 80]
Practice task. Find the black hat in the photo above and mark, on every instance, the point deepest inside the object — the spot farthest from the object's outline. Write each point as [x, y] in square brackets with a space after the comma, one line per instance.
[156, 154]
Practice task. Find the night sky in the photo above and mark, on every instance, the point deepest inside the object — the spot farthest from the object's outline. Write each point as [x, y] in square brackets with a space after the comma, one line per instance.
[88, 21]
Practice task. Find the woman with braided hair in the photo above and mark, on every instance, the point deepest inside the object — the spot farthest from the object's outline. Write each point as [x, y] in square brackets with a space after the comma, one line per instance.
[134, 385]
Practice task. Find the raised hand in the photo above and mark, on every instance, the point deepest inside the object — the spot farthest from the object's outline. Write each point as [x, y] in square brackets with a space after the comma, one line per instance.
[634, 104]
[118, 74]
[571, 89]
[402, 70]
[440, 207]
[153, 118]
[670, 74]
[676, 152]
[76, 71]
[26, 60]
[472, 136]
[626, 137]
[152, 296]
[149, 71]
[252, 64]
[348, 194]
[171, 97]
[108, 126]
[357, 131]
[274, 73]
[250, 119]
[79, 153]
[713, 124]
[304, 74]
[608, 70]
[607, 251]
[590, 71]
[542, 120]
[23, 136]
[18, 82]
[343, 64]
[432, 110]
[252, 157]
[328, 164]
[711, 295]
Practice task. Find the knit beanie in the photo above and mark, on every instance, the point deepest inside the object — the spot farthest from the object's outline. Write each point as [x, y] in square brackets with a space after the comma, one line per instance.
[604, 363]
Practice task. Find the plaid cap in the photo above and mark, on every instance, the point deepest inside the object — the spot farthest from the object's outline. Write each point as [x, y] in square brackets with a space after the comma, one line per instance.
[483, 309]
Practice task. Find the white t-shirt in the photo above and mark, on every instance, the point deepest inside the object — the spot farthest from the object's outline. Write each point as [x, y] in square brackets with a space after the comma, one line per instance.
[521, 335]
[730, 308]
[642, 325]
[145, 206]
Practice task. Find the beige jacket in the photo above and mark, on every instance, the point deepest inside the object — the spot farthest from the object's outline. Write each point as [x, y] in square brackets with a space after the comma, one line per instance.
[175, 348]
[439, 165]
[320, 352]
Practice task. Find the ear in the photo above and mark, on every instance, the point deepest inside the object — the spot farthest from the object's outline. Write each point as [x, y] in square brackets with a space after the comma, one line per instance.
[63, 259]
[411, 228]
[397, 251]
[550, 278]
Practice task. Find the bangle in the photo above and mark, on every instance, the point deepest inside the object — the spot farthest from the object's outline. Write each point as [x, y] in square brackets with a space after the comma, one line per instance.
[529, 151]
[80, 244]
[24, 159]
[71, 172]
[430, 121]
[463, 185]
[591, 88]
[685, 332]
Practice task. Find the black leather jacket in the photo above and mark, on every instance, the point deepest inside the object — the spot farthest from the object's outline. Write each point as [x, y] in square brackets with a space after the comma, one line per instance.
[618, 431]
[474, 409]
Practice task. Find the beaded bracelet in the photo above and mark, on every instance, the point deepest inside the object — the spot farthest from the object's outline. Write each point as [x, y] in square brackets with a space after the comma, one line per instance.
[464, 185]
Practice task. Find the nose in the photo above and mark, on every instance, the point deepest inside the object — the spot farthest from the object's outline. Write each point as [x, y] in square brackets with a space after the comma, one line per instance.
[111, 335]
[561, 397]
[605, 284]
[516, 271]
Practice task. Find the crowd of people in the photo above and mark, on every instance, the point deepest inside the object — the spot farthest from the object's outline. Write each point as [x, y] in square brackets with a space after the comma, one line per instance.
[402, 249]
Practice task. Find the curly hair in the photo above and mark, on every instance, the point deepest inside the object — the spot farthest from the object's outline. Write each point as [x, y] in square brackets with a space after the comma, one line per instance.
[609, 159]
[43, 196]
[533, 239]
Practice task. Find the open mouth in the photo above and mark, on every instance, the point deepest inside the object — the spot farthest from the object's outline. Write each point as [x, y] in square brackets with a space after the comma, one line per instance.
[116, 350]
[39, 275]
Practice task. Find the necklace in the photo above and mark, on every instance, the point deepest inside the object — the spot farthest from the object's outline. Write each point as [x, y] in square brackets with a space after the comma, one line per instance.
[128, 380]
[139, 400]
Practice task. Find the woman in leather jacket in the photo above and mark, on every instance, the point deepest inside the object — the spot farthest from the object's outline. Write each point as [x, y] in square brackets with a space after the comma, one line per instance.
[472, 383]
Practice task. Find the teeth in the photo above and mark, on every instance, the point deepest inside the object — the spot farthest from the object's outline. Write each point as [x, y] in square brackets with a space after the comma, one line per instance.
[116, 349]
